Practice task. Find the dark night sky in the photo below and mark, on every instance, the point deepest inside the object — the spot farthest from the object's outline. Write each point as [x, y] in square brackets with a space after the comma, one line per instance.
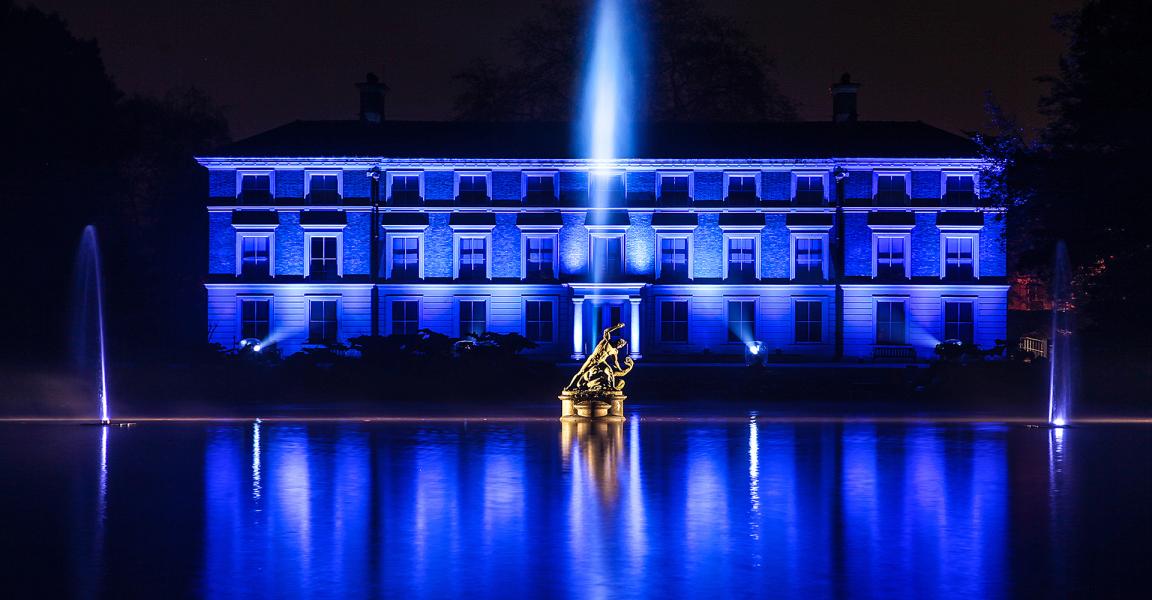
[270, 62]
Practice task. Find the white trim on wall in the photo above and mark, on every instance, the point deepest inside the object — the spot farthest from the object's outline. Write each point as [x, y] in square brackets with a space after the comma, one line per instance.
[555, 300]
[824, 325]
[486, 235]
[419, 300]
[524, 175]
[240, 298]
[675, 235]
[240, 173]
[553, 235]
[391, 174]
[905, 235]
[324, 233]
[730, 174]
[411, 234]
[658, 319]
[813, 234]
[945, 235]
[876, 299]
[734, 235]
[486, 299]
[824, 176]
[243, 232]
[308, 300]
[669, 174]
[473, 173]
[339, 173]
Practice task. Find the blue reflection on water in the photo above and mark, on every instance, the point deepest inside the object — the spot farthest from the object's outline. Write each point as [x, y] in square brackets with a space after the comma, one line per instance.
[659, 509]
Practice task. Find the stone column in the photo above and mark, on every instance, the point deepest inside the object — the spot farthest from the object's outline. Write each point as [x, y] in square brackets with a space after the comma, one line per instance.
[578, 328]
[635, 332]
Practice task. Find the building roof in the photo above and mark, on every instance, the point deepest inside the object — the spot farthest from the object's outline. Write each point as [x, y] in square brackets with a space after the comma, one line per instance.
[464, 140]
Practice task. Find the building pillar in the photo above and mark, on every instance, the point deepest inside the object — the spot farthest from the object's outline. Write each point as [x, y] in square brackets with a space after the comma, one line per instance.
[635, 343]
[577, 328]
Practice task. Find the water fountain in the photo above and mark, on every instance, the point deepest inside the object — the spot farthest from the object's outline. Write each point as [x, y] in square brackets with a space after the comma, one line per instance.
[1060, 348]
[88, 317]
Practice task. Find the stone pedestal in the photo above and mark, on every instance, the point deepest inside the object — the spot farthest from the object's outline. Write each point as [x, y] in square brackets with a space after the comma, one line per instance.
[605, 406]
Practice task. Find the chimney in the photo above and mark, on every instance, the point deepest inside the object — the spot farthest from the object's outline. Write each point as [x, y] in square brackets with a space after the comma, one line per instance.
[372, 92]
[844, 100]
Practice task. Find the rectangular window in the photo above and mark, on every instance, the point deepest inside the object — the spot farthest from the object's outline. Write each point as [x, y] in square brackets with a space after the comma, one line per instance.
[405, 317]
[473, 258]
[958, 321]
[674, 188]
[323, 261]
[538, 325]
[809, 321]
[323, 189]
[674, 321]
[255, 256]
[809, 189]
[741, 258]
[809, 259]
[255, 317]
[405, 188]
[540, 257]
[890, 323]
[473, 188]
[890, 258]
[405, 258]
[473, 317]
[607, 188]
[741, 187]
[891, 190]
[674, 258]
[958, 262]
[607, 256]
[959, 190]
[741, 320]
[322, 322]
[256, 188]
[539, 188]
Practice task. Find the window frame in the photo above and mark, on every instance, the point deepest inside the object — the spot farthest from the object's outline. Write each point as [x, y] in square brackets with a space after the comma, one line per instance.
[800, 233]
[734, 235]
[728, 300]
[670, 174]
[487, 175]
[247, 231]
[903, 234]
[945, 301]
[660, 301]
[689, 248]
[876, 300]
[309, 299]
[593, 267]
[487, 300]
[878, 173]
[524, 175]
[308, 173]
[551, 234]
[457, 237]
[755, 175]
[796, 175]
[391, 175]
[324, 233]
[389, 236]
[419, 311]
[555, 300]
[596, 178]
[271, 173]
[248, 297]
[946, 173]
[972, 234]
[823, 319]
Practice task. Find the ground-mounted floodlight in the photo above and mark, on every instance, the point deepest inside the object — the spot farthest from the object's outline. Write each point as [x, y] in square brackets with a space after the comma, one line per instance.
[754, 353]
[252, 344]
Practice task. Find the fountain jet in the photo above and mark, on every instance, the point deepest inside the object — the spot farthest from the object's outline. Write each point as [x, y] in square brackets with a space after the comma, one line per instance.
[89, 315]
[609, 94]
[1060, 350]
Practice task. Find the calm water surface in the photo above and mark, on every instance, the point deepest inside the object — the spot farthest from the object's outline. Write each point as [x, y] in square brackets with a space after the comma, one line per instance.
[539, 509]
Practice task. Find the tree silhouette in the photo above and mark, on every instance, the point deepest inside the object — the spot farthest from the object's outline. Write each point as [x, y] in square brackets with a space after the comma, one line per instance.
[700, 67]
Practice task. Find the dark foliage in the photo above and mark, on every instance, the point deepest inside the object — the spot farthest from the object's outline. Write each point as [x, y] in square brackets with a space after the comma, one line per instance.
[77, 151]
[1082, 180]
[701, 68]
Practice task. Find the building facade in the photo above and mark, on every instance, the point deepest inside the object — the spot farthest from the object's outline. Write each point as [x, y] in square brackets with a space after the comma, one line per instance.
[852, 240]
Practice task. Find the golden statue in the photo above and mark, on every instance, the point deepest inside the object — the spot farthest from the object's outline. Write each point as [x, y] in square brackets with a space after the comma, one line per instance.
[596, 389]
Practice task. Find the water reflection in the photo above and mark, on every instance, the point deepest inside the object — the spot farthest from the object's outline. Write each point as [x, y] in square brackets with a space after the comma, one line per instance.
[353, 511]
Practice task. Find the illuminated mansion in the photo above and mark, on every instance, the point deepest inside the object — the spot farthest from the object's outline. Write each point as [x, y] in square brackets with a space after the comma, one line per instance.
[822, 240]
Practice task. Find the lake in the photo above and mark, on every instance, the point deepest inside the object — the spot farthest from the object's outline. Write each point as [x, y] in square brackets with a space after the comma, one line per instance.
[726, 507]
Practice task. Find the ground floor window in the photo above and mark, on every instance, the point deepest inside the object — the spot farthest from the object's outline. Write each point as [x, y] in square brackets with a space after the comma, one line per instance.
[473, 317]
[741, 320]
[538, 323]
[322, 321]
[891, 322]
[958, 321]
[674, 321]
[255, 317]
[405, 317]
[809, 321]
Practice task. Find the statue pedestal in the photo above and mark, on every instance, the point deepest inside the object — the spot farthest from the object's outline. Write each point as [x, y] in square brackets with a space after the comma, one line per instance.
[592, 406]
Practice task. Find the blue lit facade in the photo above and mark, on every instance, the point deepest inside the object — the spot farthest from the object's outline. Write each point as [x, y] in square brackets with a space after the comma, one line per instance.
[853, 241]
